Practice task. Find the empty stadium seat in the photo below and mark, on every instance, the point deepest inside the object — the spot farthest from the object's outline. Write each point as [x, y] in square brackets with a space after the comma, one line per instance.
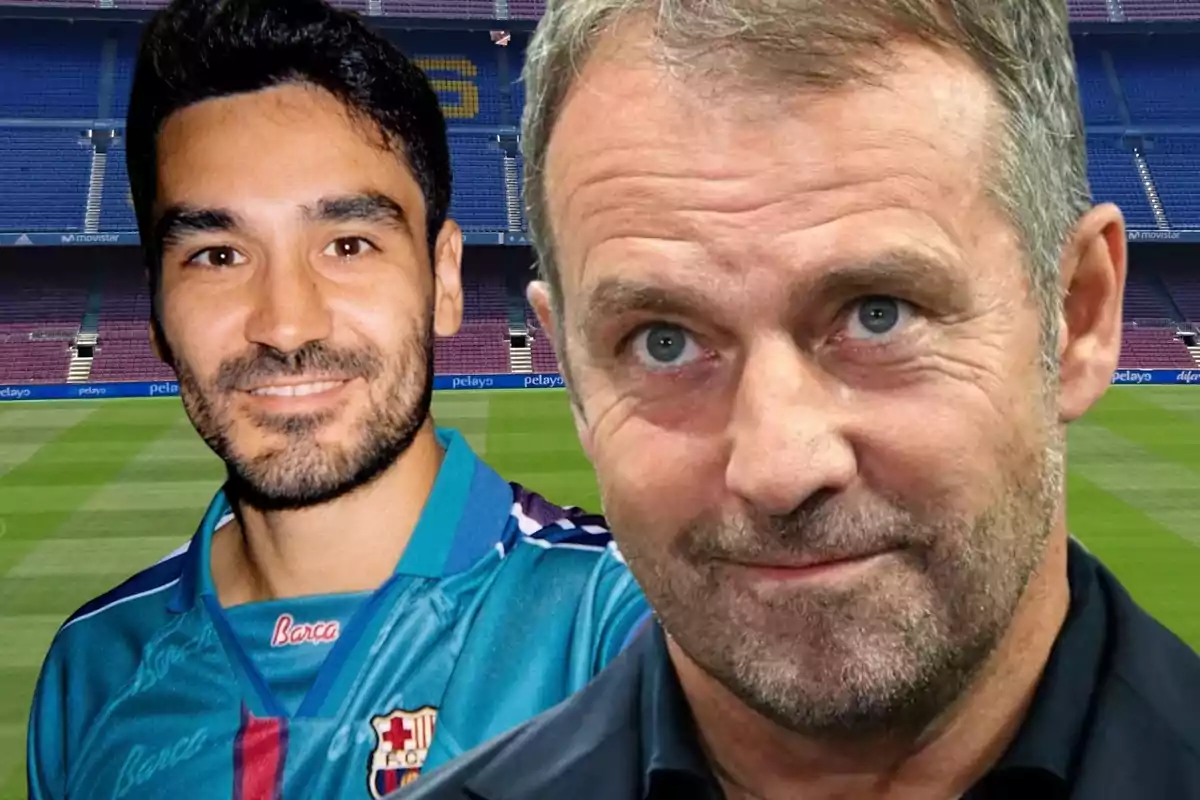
[1160, 76]
[1144, 300]
[116, 205]
[1096, 95]
[34, 362]
[1174, 162]
[1088, 10]
[452, 9]
[542, 349]
[478, 201]
[1139, 10]
[1184, 286]
[477, 348]
[1114, 178]
[1153, 348]
[44, 174]
[39, 314]
[50, 70]
[526, 9]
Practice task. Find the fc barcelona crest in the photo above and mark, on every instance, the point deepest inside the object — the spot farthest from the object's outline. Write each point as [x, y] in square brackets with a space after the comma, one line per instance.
[402, 741]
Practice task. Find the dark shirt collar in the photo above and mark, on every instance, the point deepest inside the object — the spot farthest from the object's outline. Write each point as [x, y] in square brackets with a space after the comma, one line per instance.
[1040, 762]
[1046, 751]
[672, 759]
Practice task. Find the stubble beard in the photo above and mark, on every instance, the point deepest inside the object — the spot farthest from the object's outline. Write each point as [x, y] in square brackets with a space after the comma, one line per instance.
[881, 656]
[302, 471]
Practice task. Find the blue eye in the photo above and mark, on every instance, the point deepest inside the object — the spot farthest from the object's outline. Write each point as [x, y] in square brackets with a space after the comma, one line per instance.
[663, 345]
[876, 317]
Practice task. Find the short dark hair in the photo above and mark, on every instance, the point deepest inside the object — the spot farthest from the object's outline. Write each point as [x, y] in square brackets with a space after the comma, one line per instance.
[195, 50]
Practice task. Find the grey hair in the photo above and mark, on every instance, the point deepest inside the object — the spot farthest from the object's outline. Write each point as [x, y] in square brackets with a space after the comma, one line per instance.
[1039, 169]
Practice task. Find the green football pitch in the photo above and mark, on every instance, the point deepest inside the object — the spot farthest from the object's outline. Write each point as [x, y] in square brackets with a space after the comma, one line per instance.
[92, 491]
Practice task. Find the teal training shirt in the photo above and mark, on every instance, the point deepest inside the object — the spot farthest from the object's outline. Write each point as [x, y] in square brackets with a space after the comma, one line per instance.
[501, 606]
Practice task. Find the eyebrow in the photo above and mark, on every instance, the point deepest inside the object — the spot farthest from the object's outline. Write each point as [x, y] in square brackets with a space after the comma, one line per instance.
[363, 207]
[613, 297]
[922, 277]
[181, 220]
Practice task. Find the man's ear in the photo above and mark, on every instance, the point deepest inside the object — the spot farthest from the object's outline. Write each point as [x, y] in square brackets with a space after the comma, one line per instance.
[1092, 279]
[538, 295]
[447, 275]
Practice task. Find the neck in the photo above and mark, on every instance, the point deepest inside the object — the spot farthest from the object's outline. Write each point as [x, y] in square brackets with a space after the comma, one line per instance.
[349, 544]
[756, 758]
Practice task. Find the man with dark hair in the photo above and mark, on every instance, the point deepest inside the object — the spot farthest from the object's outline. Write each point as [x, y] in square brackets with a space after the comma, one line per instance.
[364, 597]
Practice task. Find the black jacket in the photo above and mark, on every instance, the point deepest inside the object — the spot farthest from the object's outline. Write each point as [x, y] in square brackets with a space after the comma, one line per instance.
[1116, 717]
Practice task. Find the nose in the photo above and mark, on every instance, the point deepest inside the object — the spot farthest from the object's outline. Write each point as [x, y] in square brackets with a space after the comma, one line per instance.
[786, 442]
[290, 307]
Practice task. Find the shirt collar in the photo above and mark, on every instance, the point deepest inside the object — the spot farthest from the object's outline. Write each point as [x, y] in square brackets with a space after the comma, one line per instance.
[1048, 741]
[670, 748]
[465, 517]
[1047, 744]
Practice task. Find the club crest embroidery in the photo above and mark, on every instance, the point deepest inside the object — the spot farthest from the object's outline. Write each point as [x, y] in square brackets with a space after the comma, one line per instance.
[402, 741]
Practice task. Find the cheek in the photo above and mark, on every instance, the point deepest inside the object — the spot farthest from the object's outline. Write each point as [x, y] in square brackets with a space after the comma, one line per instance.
[201, 338]
[389, 317]
[943, 449]
[655, 482]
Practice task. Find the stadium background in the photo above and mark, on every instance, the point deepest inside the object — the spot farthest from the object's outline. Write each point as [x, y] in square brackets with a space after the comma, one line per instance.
[92, 490]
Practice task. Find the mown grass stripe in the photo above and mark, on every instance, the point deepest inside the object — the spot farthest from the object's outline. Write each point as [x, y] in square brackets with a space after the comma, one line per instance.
[25, 638]
[1157, 567]
[1167, 434]
[14, 417]
[532, 440]
[67, 558]
[54, 595]
[1165, 491]
[14, 706]
[108, 425]
[468, 416]
[1183, 400]
[12, 762]
[23, 432]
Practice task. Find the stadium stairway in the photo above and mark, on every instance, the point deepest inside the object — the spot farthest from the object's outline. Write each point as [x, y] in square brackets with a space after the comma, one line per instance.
[1156, 206]
[1194, 349]
[520, 357]
[520, 351]
[83, 352]
[83, 346]
[512, 194]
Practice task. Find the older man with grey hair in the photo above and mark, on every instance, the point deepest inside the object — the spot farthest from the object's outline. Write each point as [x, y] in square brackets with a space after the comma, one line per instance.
[828, 286]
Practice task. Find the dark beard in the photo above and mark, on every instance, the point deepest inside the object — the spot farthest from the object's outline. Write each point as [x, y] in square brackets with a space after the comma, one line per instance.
[303, 473]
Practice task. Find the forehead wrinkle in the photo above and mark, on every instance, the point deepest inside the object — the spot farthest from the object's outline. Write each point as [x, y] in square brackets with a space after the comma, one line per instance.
[754, 182]
[732, 235]
[672, 142]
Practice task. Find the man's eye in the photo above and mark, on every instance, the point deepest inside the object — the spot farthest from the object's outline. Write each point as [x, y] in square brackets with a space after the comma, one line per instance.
[877, 317]
[662, 346]
[348, 247]
[217, 257]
